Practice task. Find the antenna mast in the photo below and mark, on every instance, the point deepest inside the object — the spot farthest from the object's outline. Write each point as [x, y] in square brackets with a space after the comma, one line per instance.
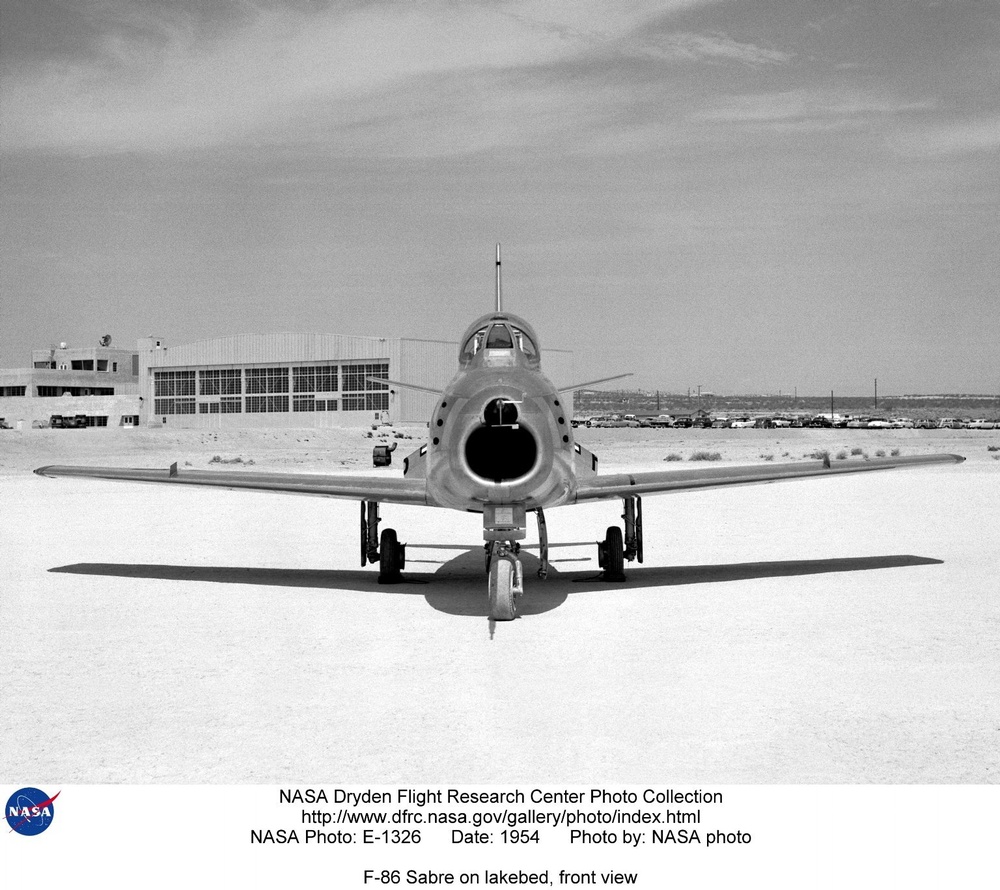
[499, 303]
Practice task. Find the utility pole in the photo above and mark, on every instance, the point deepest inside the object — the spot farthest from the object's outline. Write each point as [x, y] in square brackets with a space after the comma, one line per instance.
[876, 393]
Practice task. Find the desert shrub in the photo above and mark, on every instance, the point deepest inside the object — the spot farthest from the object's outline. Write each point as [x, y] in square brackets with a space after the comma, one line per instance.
[993, 447]
[842, 455]
[895, 452]
[767, 457]
[673, 456]
[706, 455]
[219, 459]
[856, 451]
[880, 453]
[818, 454]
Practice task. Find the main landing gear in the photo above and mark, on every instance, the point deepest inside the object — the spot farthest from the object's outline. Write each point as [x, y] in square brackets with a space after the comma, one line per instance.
[385, 549]
[616, 548]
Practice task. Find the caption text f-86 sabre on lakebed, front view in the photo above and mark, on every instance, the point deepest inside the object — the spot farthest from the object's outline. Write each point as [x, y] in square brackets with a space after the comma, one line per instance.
[499, 444]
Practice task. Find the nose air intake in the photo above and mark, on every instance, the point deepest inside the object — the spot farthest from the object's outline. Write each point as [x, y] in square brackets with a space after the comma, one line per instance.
[501, 450]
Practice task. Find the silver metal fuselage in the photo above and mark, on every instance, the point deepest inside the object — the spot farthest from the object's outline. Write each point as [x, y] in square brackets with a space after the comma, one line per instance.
[500, 434]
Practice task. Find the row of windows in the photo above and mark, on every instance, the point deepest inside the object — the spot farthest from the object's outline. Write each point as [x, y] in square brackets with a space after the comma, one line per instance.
[173, 383]
[311, 403]
[366, 402]
[305, 379]
[267, 404]
[267, 380]
[220, 382]
[322, 378]
[226, 406]
[273, 404]
[354, 377]
[173, 406]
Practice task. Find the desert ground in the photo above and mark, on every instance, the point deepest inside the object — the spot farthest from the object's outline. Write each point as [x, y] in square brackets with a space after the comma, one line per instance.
[822, 631]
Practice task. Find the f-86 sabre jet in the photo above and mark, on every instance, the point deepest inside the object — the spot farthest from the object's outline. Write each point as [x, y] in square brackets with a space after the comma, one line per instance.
[500, 444]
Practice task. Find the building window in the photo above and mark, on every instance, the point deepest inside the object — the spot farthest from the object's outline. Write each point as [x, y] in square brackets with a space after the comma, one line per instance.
[267, 380]
[173, 383]
[232, 406]
[220, 382]
[361, 394]
[326, 404]
[304, 403]
[319, 378]
[267, 404]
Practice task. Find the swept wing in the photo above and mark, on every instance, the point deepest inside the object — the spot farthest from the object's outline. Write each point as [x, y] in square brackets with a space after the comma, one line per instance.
[352, 486]
[616, 485]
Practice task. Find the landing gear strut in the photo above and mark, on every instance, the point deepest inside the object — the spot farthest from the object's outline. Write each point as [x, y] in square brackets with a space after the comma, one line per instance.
[616, 548]
[385, 549]
[543, 544]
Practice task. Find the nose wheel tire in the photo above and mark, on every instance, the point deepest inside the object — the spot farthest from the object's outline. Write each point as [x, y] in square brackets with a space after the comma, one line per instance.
[503, 588]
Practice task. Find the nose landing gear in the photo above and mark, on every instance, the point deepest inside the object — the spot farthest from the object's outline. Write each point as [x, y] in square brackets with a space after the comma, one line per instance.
[506, 579]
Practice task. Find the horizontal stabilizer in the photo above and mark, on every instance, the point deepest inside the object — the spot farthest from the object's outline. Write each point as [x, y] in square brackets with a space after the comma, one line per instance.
[433, 390]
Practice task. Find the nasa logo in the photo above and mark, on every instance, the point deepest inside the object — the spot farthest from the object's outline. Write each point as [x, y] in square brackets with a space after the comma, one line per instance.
[30, 811]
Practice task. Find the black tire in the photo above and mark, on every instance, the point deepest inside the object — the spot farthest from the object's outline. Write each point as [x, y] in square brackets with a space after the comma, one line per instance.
[614, 558]
[502, 607]
[389, 552]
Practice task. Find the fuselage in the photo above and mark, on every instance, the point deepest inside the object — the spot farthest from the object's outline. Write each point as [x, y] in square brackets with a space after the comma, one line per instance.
[499, 433]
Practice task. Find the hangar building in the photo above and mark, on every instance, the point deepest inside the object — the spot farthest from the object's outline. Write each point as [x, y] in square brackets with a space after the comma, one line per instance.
[300, 380]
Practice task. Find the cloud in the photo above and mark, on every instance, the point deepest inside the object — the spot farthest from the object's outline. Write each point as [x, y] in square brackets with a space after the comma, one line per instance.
[714, 47]
[151, 81]
[805, 108]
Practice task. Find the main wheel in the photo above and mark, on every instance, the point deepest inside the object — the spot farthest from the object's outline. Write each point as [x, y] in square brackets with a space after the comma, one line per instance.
[614, 555]
[502, 590]
[390, 557]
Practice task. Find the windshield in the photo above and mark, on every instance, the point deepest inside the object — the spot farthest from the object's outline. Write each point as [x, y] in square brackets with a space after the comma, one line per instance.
[500, 338]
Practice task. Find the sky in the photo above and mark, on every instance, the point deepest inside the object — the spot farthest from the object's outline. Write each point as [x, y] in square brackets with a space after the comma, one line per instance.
[749, 197]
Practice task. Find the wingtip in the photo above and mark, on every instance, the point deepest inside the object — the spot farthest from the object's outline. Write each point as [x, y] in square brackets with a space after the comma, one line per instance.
[42, 471]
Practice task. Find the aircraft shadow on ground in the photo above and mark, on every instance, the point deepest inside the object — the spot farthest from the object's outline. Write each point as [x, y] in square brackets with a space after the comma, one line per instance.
[458, 587]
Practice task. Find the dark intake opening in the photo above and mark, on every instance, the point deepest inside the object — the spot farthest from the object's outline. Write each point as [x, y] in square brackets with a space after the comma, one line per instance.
[501, 452]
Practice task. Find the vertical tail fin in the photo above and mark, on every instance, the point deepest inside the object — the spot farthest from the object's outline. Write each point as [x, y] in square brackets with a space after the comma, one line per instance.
[499, 300]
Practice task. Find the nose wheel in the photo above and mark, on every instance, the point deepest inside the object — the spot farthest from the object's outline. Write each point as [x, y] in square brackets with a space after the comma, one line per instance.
[506, 580]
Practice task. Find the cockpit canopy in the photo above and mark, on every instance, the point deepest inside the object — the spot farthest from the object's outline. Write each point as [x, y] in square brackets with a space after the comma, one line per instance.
[500, 331]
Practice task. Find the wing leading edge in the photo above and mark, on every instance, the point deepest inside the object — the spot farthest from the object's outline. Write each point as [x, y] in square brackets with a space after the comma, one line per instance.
[354, 487]
[665, 481]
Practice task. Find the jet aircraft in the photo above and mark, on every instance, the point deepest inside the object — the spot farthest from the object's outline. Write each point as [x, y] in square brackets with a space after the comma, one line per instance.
[500, 444]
